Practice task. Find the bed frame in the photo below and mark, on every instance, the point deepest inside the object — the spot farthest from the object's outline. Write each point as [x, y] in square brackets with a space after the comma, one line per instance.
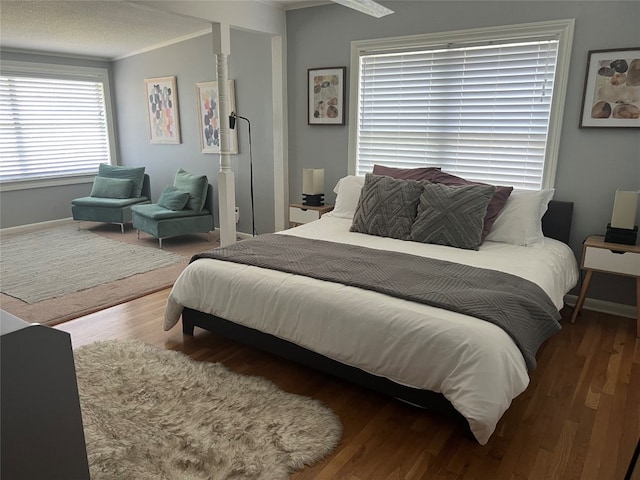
[556, 224]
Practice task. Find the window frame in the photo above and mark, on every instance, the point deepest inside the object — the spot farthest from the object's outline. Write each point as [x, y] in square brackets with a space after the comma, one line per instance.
[563, 29]
[69, 72]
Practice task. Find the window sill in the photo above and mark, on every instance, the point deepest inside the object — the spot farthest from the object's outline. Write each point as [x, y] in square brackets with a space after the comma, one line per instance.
[45, 182]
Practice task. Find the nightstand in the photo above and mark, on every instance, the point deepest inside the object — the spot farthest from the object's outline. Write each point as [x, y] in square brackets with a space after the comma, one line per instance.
[615, 258]
[300, 214]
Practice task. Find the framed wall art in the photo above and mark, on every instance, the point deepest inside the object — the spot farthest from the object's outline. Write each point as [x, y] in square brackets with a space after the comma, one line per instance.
[209, 117]
[326, 92]
[162, 110]
[612, 89]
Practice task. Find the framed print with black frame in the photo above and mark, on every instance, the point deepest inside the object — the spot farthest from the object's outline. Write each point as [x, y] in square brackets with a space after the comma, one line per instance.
[612, 89]
[326, 96]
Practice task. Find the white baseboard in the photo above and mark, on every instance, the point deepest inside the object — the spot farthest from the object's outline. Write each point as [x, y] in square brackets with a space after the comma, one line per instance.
[68, 221]
[239, 235]
[32, 227]
[603, 306]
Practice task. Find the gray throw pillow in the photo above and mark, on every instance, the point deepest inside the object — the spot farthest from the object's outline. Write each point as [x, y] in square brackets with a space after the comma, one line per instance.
[173, 199]
[496, 204]
[452, 215]
[387, 207]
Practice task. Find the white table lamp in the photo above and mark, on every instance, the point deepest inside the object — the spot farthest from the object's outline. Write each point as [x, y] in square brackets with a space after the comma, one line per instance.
[313, 186]
[622, 228]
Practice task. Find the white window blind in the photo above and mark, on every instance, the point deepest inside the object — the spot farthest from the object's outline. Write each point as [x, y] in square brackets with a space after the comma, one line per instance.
[478, 109]
[51, 127]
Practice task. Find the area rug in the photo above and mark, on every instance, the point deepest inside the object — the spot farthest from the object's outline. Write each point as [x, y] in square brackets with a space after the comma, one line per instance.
[59, 261]
[158, 414]
[95, 296]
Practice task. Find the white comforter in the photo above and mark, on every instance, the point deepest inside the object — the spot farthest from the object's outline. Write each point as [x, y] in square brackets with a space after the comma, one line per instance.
[473, 363]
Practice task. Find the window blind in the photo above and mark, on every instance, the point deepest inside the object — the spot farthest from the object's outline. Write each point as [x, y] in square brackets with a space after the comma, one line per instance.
[51, 127]
[478, 111]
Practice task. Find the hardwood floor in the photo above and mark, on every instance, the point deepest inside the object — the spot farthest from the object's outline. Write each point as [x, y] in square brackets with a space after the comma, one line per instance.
[578, 419]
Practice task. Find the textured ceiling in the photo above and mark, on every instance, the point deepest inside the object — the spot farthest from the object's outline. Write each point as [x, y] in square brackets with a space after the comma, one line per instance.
[108, 29]
[103, 29]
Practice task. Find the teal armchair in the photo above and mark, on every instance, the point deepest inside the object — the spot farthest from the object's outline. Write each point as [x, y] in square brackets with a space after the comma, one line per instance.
[115, 190]
[184, 208]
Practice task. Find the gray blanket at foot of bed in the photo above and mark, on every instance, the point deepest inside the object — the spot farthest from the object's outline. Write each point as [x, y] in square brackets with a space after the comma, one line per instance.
[518, 306]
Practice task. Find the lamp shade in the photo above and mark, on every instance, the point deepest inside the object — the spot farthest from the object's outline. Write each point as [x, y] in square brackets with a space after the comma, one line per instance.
[624, 209]
[312, 181]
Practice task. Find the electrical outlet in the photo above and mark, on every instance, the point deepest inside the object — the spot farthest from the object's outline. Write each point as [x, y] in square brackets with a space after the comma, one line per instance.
[237, 214]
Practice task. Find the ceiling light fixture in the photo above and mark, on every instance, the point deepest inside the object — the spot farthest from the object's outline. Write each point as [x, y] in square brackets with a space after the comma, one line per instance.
[366, 6]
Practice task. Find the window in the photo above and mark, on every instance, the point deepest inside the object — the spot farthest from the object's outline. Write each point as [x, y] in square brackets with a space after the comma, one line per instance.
[483, 104]
[54, 123]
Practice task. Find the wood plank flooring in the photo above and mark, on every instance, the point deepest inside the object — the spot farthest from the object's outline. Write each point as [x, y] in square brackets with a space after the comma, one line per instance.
[578, 419]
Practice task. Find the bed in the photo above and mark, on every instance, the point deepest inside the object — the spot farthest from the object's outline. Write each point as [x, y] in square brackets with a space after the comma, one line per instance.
[443, 360]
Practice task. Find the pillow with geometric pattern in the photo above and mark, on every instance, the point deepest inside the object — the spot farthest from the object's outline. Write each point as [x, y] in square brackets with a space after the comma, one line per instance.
[495, 206]
[387, 207]
[452, 215]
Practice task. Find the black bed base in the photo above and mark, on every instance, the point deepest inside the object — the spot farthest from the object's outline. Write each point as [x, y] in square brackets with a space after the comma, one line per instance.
[426, 399]
[556, 223]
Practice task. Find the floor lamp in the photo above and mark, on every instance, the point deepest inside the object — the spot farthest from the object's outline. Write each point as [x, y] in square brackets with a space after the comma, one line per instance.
[232, 126]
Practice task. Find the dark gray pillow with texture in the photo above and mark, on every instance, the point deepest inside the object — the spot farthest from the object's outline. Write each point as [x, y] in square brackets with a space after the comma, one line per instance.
[452, 215]
[173, 199]
[387, 207]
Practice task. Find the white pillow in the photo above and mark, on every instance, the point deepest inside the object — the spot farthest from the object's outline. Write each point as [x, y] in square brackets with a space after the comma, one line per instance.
[347, 195]
[520, 221]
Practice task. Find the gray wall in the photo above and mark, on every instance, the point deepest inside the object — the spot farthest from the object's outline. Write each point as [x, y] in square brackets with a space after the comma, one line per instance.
[34, 205]
[593, 163]
[192, 62]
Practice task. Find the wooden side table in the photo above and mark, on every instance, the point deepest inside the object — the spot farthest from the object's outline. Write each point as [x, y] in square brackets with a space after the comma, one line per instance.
[615, 258]
[300, 214]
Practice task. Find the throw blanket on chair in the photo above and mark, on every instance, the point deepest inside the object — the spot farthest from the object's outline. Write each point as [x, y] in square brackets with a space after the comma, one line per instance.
[520, 307]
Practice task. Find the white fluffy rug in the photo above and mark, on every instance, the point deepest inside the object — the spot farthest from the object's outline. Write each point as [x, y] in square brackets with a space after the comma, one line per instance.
[157, 414]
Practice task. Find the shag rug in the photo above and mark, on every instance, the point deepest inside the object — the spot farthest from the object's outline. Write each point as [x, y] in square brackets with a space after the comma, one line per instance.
[82, 270]
[158, 414]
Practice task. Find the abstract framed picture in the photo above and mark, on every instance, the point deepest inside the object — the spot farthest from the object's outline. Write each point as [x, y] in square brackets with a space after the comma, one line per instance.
[162, 110]
[612, 89]
[326, 92]
[209, 117]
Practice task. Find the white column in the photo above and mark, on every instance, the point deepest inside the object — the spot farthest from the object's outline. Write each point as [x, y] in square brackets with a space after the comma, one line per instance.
[226, 181]
[279, 122]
